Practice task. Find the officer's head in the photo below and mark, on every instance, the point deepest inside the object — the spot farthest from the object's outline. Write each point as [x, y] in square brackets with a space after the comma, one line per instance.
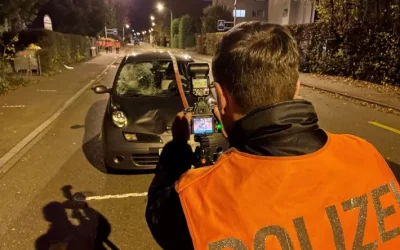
[255, 65]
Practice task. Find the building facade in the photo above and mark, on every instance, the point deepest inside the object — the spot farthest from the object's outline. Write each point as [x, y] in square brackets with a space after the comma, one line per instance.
[283, 12]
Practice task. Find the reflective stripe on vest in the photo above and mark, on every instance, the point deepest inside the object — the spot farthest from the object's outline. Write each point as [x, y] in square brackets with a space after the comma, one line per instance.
[343, 196]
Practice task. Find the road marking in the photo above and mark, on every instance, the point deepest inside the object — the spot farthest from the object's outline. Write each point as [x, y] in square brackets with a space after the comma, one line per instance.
[117, 196]
[14, 106]
[46, 90]
[385, 127]
[10, 154]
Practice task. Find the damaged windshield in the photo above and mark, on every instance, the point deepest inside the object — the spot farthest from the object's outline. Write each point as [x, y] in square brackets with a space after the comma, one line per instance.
[150, 79]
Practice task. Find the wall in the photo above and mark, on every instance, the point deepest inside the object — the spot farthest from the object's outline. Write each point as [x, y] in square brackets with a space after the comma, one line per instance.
[249, 6]
[290, 12]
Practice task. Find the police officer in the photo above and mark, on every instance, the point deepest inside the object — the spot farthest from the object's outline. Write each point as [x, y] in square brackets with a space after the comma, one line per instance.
[117, 46]
[285, 183]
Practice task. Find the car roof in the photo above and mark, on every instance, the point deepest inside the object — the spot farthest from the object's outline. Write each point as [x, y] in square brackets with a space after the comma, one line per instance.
[158, 55]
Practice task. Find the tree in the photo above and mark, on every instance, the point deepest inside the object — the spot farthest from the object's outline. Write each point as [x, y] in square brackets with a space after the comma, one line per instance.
[175, 32]
[20, 13]
[343, 15]
[186, 34]
[211, 16]
[77, 17]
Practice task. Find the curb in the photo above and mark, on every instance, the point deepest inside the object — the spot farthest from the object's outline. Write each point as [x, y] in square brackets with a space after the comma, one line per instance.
[352, 96]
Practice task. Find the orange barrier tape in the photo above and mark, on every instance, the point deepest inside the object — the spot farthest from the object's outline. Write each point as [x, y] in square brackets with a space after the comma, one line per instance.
[179, 82]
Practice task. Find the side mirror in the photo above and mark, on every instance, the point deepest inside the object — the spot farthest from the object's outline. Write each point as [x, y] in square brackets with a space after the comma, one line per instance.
[101, 89]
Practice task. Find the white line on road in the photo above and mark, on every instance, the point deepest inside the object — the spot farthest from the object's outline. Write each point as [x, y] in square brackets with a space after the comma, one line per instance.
[117, 196]
[14, 106]
[10, 154]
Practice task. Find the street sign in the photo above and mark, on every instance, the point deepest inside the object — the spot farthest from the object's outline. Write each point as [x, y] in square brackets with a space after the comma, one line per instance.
[221, 25]
[112, 31]
[48, 25]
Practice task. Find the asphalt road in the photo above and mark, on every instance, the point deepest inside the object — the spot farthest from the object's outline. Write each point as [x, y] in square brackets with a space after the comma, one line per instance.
[65, 159]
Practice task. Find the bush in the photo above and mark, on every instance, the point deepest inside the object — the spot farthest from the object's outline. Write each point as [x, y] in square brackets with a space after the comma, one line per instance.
[360, 53]
[9, 81]
[186, 34]
[210, 42]
[57, 49]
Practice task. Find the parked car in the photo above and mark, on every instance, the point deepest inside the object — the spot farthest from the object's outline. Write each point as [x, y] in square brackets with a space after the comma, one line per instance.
[143, 103]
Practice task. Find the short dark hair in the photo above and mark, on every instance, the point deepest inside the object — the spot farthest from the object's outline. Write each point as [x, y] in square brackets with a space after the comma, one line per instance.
[258, 63]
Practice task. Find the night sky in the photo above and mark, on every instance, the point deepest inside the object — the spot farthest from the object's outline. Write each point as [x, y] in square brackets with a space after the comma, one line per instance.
[140, 10]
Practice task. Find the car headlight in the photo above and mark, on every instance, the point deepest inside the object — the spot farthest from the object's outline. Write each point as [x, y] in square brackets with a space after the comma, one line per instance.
[119, 119]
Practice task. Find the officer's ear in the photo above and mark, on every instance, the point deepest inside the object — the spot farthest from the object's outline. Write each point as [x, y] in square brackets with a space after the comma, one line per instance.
[222, 99]
[296, 94]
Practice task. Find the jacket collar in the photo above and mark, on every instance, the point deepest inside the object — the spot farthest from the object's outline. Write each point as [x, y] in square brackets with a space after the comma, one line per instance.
[283, 129]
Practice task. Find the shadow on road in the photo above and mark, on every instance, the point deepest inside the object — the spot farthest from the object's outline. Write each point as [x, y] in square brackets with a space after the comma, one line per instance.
[91, 144]
[91, 232]
[395, 169]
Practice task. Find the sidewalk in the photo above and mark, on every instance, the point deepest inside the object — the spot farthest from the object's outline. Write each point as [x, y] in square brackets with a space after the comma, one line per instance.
[373, 93]
[24, 109]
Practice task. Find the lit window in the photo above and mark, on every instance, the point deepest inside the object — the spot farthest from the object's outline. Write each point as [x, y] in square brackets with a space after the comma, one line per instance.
[239, 13]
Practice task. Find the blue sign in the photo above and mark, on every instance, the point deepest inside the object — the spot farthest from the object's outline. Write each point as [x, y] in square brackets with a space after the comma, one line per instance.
[115, 32]
[221, 25]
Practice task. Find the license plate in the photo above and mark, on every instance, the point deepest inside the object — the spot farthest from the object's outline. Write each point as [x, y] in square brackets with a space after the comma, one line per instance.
[160, 151]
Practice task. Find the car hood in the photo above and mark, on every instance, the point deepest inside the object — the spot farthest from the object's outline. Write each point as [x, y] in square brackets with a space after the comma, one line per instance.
[150, 115]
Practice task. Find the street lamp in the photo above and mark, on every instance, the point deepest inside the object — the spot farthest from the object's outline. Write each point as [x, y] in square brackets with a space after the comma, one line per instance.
[160, 7]
[123, 31]
[153, 24]
[152, 18]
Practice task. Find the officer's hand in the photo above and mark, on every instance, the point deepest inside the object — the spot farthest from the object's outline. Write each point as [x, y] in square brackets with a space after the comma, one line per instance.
[218, 116]
[181, 126]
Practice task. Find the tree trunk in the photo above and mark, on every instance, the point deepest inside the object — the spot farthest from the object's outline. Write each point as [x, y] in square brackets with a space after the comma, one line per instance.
[396, 27]
[378, 15]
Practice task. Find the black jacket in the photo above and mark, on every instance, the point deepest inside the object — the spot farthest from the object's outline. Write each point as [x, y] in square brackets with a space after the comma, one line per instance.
[284, 129]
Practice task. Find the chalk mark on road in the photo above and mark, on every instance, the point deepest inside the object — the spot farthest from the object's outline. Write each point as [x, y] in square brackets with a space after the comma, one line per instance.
[46, 90]
[14, 106]
[117, 196]
[385, 127]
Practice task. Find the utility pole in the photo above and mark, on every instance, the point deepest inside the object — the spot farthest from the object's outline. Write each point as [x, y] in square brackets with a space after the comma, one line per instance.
[234, 16]
[105, 30]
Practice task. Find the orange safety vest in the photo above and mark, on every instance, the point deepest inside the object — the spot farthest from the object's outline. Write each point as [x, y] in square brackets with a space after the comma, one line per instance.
[343, 196]
[117, 44]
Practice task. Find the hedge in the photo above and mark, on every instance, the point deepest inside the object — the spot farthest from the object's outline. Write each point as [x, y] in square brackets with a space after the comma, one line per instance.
[186, 34]
[360, 53]
[57, 49]
[175, 32]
